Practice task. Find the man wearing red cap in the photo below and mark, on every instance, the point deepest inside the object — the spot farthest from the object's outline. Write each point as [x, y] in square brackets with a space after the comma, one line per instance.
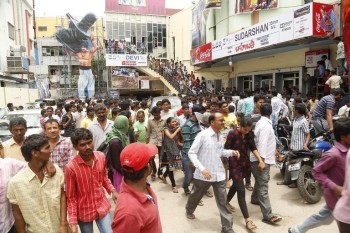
[137, 205]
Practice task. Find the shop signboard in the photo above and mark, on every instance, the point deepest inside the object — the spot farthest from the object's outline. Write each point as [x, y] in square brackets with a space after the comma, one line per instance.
[303, 22]
[286, 27]
[324, 20]
[144, 82]
[223, 47]
[144, 7]
[201, 54]
[126, 60]
[312, 57]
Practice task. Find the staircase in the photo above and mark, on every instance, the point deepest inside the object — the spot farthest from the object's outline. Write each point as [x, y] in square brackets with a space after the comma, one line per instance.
[173, 88]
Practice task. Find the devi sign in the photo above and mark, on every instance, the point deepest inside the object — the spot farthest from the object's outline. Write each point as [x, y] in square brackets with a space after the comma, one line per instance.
[126, 60]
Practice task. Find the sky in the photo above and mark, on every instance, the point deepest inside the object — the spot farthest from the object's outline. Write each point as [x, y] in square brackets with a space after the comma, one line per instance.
[52, 8]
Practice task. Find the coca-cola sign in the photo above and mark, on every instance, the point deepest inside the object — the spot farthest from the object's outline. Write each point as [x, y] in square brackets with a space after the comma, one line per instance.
[324, 19]
[201, 54]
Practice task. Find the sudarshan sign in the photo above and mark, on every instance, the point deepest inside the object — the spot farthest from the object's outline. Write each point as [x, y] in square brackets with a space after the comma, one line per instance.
[314, 19]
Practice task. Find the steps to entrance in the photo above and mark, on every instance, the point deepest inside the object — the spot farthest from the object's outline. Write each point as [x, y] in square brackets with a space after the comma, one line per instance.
[154, 74]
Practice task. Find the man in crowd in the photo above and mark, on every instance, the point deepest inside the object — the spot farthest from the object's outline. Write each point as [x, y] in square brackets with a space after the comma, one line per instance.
[277, 106]
[68, 121]
[166, 110]
[186, 114]
[140, 127]
[61, 147]
[330, 172]
[154, 134]
[12, 147]
[344, 111]
[90, 114]
[248, 103]
[266, 145]
[323, 113]
[50, 115]
[137, 205]
[334, 81]
[205, 154]
[86, 182]
[101, 126]
[189, 132]
[38, 201]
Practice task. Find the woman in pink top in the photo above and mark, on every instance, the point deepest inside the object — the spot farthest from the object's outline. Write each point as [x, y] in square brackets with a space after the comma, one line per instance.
[342, 208]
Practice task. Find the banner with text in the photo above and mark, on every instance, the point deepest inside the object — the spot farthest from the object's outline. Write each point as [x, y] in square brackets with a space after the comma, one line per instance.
[126, 60]
[346, 31]
[312, 57]
[291, 25]
[144, 82]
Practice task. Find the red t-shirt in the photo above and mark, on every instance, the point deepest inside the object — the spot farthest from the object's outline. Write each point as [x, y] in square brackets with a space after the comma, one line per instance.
[136, 212]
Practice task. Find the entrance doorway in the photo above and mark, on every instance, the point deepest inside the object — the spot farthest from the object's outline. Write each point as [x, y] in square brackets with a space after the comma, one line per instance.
[263, 81]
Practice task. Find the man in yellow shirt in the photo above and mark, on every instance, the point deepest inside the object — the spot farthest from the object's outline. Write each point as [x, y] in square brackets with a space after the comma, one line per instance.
[85, 123]
[38, 201]
[12, 147]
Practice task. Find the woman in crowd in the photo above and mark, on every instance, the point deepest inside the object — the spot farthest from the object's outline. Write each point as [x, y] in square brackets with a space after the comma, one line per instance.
[237, 139]
[171, 156]
[117, 139]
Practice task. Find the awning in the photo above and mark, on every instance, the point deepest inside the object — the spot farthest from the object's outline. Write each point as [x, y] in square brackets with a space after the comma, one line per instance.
[11, 79]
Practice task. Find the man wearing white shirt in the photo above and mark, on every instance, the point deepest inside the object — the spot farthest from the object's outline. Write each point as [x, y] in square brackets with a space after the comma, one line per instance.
[344, 111]
[266, 145]
[186, 114]
[327, 62]
[334, 81]
[277, 106]
[205, 154]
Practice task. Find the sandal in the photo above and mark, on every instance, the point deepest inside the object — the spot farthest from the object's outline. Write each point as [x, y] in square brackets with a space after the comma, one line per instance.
[249, 187]
[153, 177]
[208, 194]
[174, 189]
[201, 203]
[274, 219]
[163, 179]
[250, 225]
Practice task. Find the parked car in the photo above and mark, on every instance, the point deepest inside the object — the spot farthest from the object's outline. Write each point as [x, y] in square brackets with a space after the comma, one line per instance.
[31, 116]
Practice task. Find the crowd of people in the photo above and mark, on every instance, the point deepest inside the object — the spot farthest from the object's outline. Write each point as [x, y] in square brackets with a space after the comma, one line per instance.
[123, 47]
[58, 179]
[176, 72]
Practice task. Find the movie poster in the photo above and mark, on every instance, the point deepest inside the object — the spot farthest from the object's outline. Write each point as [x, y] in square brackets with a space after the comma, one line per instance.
[247, 6]
[124, 78]
[198, 24]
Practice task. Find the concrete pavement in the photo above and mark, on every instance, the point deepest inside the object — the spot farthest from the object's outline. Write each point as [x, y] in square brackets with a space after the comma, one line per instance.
[285, 202]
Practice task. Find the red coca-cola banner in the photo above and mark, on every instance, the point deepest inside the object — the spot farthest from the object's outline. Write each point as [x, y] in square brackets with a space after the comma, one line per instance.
[201, 54]
[324, 19]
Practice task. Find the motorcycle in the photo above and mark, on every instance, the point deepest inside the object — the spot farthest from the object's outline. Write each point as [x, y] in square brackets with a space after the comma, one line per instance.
[299, 166]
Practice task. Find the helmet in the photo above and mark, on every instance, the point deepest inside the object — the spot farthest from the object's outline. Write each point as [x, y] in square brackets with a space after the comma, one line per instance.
[323, 145]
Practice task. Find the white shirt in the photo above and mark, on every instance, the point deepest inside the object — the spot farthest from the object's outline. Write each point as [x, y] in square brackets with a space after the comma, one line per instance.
[206, 152]
[265, 141]
[334, 81]
[278, 105]
[328, 64]
[344, 111]
[166, 115]
[99, 134]
[182, 120]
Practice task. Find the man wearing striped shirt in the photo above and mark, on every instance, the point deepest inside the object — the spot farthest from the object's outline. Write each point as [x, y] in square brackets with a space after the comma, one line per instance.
[323, 113]
[86, 182]
[301, 133]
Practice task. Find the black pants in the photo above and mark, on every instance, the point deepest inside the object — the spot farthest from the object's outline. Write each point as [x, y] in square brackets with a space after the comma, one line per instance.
[238, 186]
[343, 227]
[160, 171]
[13, 230]
[247, 177]
[171, 176]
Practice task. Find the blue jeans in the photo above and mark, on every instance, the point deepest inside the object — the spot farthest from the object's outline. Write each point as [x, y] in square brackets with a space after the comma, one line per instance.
[323, 217]
[103, 224]
[86, 81]
[188, 172]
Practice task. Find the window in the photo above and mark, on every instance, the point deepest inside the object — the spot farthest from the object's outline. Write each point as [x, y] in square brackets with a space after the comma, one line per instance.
[11, 29]
[42, 28]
